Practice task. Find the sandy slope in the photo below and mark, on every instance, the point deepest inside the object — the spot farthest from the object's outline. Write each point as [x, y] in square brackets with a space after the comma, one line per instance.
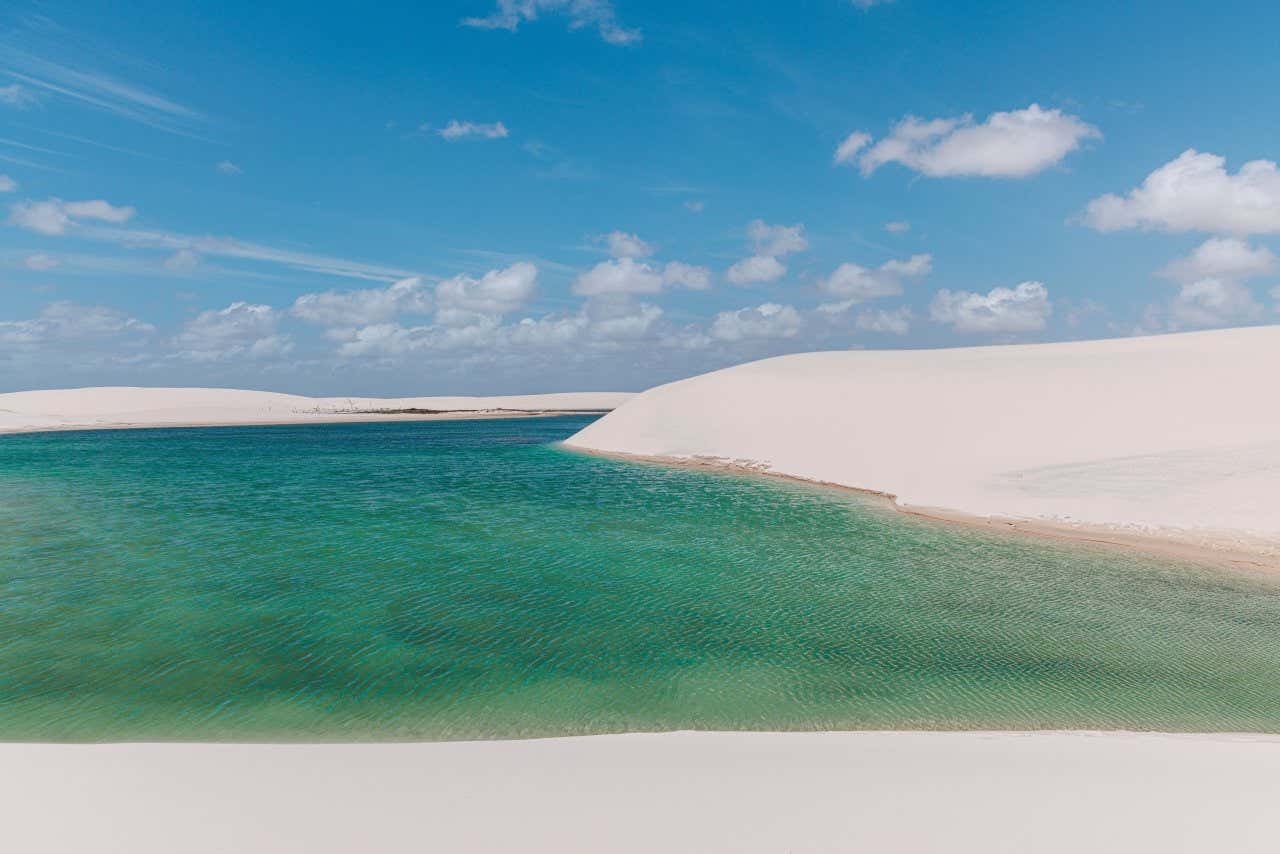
[1179, 433]
[140, 407]
[679, 792]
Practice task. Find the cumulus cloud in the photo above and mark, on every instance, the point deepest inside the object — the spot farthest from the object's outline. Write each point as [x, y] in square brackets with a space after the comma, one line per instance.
[66, 322]
[1211, 286]
[852, 283]
[629, 276]
[768, 243]
[1012, 144]
[1212, 302]
[54, 216]
[366, 306]
[496, 293]
[678, 273]
[456, 130]
[895, 322]
[7, 184]
[1195, 192]
[1023, 308]
[241, 330]
[1222, 257]
[770, 320]
[776, 240]
[757, 268]
[623, 245]
[598, 14]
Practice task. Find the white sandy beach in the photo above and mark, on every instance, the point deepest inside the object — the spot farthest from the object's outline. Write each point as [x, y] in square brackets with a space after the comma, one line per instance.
[679, 792]
[112, 407]
[1176, 436]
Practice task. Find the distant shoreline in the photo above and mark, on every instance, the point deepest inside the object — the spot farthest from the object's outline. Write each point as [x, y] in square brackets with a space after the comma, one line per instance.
[322, 418]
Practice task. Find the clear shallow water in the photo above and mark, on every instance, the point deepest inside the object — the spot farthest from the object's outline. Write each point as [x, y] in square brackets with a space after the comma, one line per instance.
[470, 579]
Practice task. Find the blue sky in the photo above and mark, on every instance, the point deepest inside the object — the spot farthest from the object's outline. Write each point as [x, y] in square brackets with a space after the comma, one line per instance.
[542, 195]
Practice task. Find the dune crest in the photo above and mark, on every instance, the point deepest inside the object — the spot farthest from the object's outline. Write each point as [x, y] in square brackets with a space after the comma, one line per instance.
[1173, 435]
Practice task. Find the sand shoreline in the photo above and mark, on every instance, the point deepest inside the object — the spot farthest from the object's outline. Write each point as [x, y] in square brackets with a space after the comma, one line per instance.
[1156, 543]
[673, 792]
[317, 418]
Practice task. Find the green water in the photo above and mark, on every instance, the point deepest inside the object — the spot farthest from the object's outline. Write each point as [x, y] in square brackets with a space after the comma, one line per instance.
[459, 580]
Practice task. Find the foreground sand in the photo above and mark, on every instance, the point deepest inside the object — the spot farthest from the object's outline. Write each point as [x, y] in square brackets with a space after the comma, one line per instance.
[109, 407]
[679, 792]
[1175, 436]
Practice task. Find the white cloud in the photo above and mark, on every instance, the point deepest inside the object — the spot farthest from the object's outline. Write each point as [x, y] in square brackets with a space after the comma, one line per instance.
[496, 293]
[7, 184]
[895, 322]
[364, 307]
[695, 206]
[1222, 257]
[40, 261]
[54, 216]
[182, 261]
[1212, 302]
[1194, 192]
[621, 276]
[240, 330]
[762, 322]
[68, 322]
[847, 151]
[1012, 144]
[852, 283]
[16, 95]
[599, 14]
[686, 276]
[1023, 308]
[457, 130]
[897, 227]
[624, 245]
[769, 243]
[867, 4]
[776, 240]
[226, 167]
[757, 268]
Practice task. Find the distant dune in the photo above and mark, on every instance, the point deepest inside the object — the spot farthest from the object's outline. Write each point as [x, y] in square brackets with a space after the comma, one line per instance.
[1176, 435]
[158, 407]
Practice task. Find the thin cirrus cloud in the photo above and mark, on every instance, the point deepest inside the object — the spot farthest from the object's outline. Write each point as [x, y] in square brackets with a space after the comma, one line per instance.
[1195, 192]
[1013, 144]
[100, 91]
[582, 14]
[17, 95]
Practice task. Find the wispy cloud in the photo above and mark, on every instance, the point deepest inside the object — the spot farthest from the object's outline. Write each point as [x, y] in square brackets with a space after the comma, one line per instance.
[457, 130]
[99, 90]
[510, 14]
[17, 95]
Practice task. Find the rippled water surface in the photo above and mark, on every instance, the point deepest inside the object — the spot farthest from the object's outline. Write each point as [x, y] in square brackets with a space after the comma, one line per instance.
[460, 580]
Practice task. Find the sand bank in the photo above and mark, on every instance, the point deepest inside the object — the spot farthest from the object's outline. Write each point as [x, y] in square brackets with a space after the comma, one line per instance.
[103, 408]
[678, 792]
[1173, 437]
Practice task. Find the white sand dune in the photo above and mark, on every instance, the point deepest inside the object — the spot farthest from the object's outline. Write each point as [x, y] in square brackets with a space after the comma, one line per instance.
[1176, 435]
[672, 793]
[158, 407]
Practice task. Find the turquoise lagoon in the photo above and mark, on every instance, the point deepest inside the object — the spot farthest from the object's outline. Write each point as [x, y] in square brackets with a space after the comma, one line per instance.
[451, 580]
